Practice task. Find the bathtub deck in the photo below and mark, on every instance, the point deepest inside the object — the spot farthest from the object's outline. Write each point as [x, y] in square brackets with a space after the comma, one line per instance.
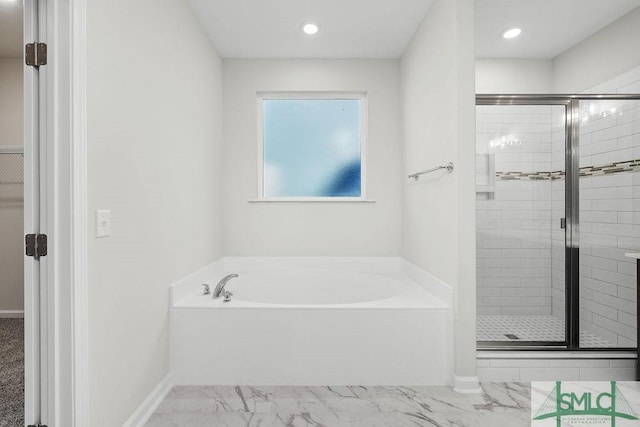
[504, 404]
[413, 296]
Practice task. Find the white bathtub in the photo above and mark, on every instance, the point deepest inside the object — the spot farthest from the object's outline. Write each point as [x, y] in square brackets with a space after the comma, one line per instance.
[313, 321]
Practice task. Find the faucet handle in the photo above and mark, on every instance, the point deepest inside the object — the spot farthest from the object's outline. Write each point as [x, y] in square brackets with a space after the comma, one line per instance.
[227, 296]
[206, 290]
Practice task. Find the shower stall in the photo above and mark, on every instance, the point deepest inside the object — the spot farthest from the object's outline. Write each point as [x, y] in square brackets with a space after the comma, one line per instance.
[558, 206]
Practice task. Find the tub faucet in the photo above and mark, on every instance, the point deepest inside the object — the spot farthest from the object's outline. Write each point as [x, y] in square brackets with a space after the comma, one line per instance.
[220, 286]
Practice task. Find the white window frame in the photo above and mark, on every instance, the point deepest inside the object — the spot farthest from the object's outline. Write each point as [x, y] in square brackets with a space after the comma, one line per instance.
[364, 120]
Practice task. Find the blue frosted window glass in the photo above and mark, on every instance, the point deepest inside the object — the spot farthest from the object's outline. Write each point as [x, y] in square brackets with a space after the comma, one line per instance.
[312, 147]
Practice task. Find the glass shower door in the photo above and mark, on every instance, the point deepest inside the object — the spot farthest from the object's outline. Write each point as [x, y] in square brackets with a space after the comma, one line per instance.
[609, 215]
[520, 210]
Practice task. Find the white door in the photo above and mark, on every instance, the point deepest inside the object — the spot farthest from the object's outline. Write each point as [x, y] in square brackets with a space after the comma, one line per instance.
[37, 322]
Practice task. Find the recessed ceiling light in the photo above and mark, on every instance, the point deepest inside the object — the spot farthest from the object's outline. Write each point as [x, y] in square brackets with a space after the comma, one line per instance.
[510, 33]
[310, 28]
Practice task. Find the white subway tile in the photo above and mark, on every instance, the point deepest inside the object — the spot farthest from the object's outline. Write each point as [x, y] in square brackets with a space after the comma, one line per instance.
[488, 311]
[502, 243]
[630, 243]
[483, 363]
[598, 262]
[623, 363]
[501, 301]
[627, 230]
[628, 268]
[526, 272]
[599, 309]
[579, 363]
[607, 374]
[619, 303]
[489, 272]
[627, 319]
[535, 301]
[629, 218]
[628, 294]
[498, 263]
[498, 374]
[488, 214]
[625, 342]
[599, 216]
[520, 363]
[615, 278]
[614, 326]
[549, 374]
[603, 193]
[612, 157]
[599, 331]
[598, 285]
[489, 253]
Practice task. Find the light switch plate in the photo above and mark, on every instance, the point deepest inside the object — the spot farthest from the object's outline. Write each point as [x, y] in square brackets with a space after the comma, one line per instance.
[103, 223]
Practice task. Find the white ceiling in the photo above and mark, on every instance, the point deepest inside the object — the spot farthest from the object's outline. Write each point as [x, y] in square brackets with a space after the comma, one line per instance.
[348, 28]
[372, 28]
[10, 29]
[549, 27]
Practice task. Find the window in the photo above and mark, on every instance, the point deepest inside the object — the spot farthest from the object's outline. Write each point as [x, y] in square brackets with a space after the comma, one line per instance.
[312, 146]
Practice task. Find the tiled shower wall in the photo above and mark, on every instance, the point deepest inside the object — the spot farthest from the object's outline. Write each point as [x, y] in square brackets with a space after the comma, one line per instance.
[514, 212]
[610, 212]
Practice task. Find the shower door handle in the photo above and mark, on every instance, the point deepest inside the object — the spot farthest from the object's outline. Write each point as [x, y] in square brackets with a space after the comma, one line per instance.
[563, 223]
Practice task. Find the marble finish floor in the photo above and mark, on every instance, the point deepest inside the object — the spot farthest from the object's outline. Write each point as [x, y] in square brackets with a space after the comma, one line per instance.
[500, 404]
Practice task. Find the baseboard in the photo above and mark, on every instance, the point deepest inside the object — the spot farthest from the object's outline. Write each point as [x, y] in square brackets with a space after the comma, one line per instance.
[11, 314]
[153, 400]
[466, 384]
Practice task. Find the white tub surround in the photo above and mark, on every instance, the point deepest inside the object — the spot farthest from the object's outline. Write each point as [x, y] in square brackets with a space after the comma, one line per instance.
[313, 321]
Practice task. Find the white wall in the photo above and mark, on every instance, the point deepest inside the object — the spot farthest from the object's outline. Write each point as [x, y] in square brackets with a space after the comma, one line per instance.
[438, 117]
[299, 228]
[154, 159]
[501, 76]
[603, 56]
[11, 199]
[11, 103]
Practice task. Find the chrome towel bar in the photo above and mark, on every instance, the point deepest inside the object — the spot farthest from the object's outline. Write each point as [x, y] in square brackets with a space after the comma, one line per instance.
[448, 167]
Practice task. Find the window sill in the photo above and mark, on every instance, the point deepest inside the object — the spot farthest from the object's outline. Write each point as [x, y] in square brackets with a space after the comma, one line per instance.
[313, 200]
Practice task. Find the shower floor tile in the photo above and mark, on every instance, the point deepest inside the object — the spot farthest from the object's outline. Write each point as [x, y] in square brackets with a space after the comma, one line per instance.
[531, 328]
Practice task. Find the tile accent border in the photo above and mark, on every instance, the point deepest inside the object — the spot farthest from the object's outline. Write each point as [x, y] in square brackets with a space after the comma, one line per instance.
[624, 166]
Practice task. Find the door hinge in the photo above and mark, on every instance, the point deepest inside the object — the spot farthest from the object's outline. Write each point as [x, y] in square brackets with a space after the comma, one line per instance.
[35, 54]
[563, 223]
[35, 245]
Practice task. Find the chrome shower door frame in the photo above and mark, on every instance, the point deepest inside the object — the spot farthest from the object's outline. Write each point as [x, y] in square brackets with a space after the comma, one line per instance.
[572, 215]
